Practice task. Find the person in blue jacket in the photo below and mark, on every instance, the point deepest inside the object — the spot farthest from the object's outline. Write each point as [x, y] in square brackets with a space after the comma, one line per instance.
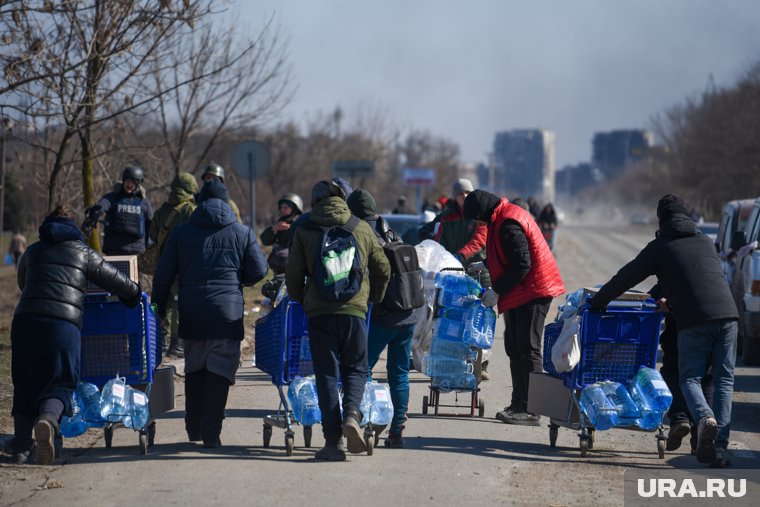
[214, 256]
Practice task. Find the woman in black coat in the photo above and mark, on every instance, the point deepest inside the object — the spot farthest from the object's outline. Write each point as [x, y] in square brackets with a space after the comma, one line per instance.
[46, 330]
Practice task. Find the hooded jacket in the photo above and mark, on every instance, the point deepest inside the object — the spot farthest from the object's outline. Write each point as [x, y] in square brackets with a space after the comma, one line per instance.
[687, 268]
[331, 211]
[176, 210]
[213, 256]
[54, 271]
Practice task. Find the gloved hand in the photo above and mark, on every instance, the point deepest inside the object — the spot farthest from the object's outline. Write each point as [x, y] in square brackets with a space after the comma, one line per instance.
[133, 301]
[489, 298]
[476, 267]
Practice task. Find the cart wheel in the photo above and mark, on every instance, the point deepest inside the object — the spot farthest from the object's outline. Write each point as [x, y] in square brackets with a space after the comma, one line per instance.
[152, 435]
[553, 434]
[424, 404]
[481, 408]
[267, 435]
[307, 436]
[143, 442]
[289, 442]
[591, 437]
[370, 441]
[661, 448]
[108, 436]
[584, 447]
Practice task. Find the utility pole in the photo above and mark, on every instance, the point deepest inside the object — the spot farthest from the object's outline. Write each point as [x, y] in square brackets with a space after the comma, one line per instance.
[7, 127]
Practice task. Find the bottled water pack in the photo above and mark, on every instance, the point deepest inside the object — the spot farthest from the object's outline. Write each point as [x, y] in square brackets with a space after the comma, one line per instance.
[457, 290]
[302, 394]
[120, 403]
[376, 406]
[650, 384]
[479, 326]
[609, 404]
[73, 426]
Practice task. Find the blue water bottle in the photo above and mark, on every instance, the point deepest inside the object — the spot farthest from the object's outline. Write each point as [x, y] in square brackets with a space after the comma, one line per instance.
[138, 408]
[73, 426]
[462, 381]
[479, 325]
[302, 394]
[89, 398]
[650, 384]
[456, 290]
[600, 410]
[114, 402]
[650, 417]
[627, 411]
[376, 406]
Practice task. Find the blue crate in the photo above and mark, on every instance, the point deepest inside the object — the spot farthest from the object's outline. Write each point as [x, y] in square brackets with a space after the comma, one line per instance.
[282, 343]
[117, 340]
[615, 344]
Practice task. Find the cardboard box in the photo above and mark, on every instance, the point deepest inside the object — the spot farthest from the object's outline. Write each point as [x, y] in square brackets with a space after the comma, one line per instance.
[549, 397]
[127, 264]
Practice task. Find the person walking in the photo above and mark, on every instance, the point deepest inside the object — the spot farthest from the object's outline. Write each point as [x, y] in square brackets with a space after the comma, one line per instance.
[547, 221]
[127, 213]
[694, 288]
[17, 246]
[337, 328]
[388, 327]
[175, 211]
[46, 330]
[213, 256]
[278, 235]
[525, 278]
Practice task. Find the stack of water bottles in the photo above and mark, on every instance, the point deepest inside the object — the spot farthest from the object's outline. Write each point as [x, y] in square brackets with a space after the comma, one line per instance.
[642, 403]
[85, 404]
[120, 403]
[302, 395]
[463, 325]
[376, 406]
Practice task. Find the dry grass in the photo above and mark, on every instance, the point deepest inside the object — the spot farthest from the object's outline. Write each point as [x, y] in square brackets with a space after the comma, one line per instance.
[9, 294]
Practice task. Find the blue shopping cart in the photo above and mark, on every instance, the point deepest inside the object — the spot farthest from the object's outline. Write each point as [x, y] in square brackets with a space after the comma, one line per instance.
[614, 344]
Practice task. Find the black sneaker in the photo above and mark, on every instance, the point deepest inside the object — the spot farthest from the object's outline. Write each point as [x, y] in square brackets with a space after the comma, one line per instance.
[215, 443]
[504, 414]
[394, 441]
[521, 419]
[676, 434]
[331, 452]
[353, 433]
[708, 430]
[722, 458]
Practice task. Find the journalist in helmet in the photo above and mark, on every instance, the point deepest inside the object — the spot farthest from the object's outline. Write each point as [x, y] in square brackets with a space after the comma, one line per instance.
[127, 214]
[214, 171]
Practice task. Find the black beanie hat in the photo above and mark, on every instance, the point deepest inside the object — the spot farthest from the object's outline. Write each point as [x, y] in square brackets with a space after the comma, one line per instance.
[361, 203]
[669, 205]
[479, 205]
[213, 189]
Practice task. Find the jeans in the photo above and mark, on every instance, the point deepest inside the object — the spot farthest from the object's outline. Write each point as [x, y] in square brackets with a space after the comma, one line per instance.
[711, 343]
[339, 352]
[522, 340]
[398, 339]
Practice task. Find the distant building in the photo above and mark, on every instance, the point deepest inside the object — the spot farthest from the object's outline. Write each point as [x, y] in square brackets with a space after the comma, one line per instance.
[523, 162]
[613, 151]
[572, 179]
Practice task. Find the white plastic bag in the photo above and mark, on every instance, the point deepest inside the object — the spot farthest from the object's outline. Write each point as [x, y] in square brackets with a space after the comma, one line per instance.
[566, 352]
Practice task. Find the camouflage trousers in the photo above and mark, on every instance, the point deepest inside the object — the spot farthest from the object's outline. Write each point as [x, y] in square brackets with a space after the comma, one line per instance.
[170, 324]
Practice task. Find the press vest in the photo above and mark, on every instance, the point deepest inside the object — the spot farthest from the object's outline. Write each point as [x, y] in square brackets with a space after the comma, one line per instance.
[543, 280]
[125, 217]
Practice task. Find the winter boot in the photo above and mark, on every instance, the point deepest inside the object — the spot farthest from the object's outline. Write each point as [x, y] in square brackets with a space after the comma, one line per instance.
[333, 451]
[353, 432]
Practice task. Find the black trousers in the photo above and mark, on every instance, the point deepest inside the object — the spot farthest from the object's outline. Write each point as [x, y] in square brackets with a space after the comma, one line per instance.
[205, 401]
[678, 411]
[339, 352]
[523, 338]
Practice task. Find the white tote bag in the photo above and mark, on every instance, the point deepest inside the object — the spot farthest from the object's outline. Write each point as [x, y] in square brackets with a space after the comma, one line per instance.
[566, 352]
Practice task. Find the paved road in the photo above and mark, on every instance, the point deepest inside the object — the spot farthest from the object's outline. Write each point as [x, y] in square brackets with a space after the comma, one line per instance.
[448, 460]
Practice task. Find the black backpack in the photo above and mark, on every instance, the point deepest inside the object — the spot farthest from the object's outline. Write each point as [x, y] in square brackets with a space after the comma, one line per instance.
[337, 269]
[404, 290]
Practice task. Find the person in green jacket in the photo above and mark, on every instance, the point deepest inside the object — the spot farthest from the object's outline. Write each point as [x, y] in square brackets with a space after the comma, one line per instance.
[337, 331]
[176, 210]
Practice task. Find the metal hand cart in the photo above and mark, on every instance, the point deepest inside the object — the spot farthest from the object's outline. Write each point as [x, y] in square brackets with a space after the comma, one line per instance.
[614, 344]
[124, 342]
[433, 398]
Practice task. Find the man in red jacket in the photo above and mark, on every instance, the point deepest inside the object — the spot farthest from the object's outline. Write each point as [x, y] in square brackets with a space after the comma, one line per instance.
[525, 278]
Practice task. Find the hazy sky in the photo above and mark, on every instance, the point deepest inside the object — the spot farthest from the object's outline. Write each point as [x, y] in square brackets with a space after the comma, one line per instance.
[469, 68]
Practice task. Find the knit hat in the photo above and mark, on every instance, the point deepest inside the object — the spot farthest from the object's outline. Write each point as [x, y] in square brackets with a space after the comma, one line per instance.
[461, 185]
[213, 189]
[669, 205]
[361, 203]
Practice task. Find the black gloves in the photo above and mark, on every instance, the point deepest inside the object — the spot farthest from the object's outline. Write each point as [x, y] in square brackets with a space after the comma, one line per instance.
[133, 301]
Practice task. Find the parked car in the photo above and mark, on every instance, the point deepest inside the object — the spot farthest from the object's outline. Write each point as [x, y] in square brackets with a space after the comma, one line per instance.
[733, 218]
[746, 286]
[406, 226]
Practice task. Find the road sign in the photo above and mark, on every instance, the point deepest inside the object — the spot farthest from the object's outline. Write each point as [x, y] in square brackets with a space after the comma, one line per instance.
[419, 177]
[251, 154]
[352, 168]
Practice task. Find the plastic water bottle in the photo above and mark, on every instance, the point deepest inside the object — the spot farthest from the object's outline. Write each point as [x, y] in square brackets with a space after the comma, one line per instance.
[455, 314]
[302, 394]
[138, 408]
[650, 384]
[89, 399]
[456, 290]
[626, 408]
[304, 354]
[456, 382]
[479, 325]
[435, 365]
[650, 417]
[73, 426]
[376, 407]
[114, 402]
[600, 410]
